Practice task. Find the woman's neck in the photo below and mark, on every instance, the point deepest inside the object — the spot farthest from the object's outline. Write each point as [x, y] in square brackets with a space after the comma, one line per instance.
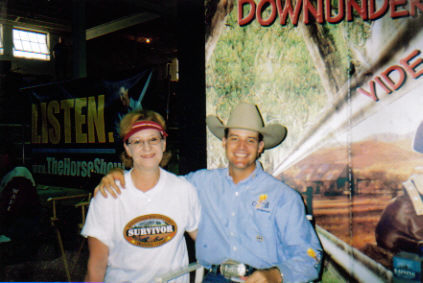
[144, 180]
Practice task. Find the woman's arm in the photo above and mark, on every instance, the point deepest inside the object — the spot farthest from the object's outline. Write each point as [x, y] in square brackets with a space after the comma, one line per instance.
[193, 234]
[97, 261]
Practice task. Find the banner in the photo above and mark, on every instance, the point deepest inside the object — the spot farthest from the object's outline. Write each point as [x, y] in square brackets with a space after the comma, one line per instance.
[74, 127]
[346, 79]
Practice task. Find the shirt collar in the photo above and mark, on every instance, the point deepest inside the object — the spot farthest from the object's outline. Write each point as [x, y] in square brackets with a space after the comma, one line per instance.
[253, 175]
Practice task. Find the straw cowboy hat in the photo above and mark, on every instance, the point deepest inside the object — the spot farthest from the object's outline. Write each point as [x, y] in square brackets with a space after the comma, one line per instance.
[247, 116]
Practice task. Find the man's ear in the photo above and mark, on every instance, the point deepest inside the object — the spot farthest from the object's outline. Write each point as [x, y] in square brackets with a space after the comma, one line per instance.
[224, 142]
[261, 147]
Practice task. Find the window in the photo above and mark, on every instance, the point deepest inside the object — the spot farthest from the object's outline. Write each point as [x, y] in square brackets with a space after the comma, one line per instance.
[30, 44]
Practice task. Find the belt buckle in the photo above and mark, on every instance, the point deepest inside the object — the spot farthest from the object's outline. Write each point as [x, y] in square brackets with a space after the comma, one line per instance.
[233, 270]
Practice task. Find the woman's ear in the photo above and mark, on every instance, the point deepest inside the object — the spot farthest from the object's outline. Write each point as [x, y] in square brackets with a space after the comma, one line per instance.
[128, 152]
[164, 145]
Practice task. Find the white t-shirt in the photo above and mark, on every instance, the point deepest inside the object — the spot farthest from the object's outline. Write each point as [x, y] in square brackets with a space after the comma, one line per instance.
[144, 231]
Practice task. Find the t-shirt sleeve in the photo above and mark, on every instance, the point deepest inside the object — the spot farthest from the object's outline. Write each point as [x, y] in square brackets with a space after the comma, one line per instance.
[99, 219]
[194, 211]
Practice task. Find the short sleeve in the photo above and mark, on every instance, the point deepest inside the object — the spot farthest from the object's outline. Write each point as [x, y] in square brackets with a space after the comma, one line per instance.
[99, 219]
[194, 212]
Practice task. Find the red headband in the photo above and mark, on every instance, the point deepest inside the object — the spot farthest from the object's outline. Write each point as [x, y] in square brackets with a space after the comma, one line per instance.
[142, 125]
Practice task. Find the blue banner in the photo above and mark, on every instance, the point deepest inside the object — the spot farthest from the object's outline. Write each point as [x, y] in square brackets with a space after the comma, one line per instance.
[74, 127]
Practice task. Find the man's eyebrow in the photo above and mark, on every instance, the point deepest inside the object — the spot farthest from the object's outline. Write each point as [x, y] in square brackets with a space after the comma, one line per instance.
[248, 137]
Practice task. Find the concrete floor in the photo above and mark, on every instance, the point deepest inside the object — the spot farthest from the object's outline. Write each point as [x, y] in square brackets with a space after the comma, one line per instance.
[37, 256]
[38, 269]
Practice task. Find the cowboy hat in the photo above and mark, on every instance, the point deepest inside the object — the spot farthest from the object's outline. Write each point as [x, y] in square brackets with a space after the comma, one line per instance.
[247, 116]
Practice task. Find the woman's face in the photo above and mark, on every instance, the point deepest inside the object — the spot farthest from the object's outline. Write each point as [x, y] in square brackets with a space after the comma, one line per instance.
[146, 148]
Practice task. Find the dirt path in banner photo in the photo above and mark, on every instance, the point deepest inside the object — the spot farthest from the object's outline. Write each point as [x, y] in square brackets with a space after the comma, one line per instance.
[352, 220]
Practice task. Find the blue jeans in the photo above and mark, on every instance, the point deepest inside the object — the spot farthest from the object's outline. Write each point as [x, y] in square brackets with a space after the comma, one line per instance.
[215, 278]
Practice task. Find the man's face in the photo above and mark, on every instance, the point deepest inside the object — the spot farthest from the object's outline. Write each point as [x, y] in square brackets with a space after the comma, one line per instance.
[242, 149]
[124, 96]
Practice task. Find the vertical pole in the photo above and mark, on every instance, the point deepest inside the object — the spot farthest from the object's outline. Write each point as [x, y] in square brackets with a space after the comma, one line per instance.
[310, 200]
[191, 86]
[79, 54]
[7, 41]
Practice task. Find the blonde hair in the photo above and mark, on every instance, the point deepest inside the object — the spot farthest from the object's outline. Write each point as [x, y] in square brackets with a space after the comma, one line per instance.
[129, 120]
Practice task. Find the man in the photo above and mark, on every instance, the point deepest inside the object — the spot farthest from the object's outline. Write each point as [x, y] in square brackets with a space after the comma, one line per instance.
[248, 216]
[400, 228]
[60, 57]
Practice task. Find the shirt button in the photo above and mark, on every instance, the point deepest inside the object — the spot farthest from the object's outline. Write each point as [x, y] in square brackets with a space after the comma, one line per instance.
[236, 193]
[232, 234]
[233, 213]
[234, 248]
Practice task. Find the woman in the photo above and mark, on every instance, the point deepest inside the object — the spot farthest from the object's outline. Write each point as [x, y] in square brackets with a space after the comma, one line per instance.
[140, 235]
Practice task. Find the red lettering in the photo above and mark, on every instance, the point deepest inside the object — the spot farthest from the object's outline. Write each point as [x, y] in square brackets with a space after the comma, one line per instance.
[397, 14]
[411, 64]
[372, 93]
[241, 20]
[338, 17]
[329, 11]
[361, 10]
[385, 75]
[373, 15]
[317, 14]
[288, 10]
[383, 85]
[259, 12]
[411, 68]
[414, 4]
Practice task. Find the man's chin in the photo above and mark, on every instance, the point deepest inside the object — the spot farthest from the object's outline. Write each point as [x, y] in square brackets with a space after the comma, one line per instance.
[241, 165]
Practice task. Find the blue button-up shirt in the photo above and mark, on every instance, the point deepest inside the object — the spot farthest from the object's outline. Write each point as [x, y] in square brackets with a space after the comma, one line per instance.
[260, 222]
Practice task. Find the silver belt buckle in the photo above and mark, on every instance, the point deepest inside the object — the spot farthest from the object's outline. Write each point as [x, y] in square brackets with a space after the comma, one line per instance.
[232, 270]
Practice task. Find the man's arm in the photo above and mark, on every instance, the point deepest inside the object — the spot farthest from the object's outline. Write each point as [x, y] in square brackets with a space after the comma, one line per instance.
[301, 251]
[97, 261]
[270, 275]
[108, 183]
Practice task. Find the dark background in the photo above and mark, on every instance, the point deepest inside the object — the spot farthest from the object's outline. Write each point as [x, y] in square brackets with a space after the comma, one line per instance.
[176, 30]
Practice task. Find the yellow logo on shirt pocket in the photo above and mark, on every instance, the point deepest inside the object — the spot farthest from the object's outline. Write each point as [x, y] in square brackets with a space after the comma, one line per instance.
[262, 204]
[150, 231]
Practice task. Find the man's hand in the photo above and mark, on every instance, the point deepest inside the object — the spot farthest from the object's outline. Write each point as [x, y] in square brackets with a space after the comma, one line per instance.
[271, 275]
[108, 184]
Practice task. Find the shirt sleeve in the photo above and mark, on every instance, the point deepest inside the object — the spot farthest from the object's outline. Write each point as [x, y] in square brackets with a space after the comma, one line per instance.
[194, 209]
[196, 178]
[300, 249]
[98, 222]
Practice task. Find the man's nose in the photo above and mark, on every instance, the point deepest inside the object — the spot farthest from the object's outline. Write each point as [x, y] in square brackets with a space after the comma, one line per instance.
[243, 144]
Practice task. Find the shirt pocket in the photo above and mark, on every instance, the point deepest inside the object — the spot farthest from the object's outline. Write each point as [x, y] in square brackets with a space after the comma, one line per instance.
[260, 236]
[262, 221]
